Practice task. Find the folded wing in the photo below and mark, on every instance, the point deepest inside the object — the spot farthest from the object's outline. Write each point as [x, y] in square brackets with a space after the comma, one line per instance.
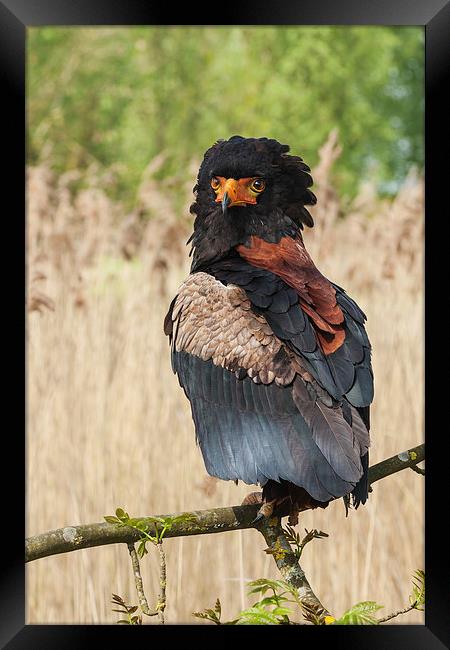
[261, 410]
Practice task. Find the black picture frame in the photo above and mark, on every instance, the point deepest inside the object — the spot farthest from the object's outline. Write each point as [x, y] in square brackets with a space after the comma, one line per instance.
[434, 16]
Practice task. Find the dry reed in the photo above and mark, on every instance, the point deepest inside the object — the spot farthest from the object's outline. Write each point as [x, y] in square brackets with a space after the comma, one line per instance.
[108, 425]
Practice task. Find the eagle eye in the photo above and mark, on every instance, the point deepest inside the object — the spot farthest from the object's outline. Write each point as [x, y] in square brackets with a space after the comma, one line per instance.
[215, 183]
[258, 185]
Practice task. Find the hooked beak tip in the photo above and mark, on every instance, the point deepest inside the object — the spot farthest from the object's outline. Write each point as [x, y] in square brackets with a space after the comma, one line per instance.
[225, 202]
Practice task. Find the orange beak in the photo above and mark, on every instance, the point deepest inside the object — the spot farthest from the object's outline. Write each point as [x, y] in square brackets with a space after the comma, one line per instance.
[233, 192]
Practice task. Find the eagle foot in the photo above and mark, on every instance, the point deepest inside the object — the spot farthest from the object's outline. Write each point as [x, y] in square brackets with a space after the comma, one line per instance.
[252, 498]
[268, 507]
[266, 510]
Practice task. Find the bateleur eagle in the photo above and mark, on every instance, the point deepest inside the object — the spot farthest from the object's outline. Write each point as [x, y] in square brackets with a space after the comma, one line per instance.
[273, 357]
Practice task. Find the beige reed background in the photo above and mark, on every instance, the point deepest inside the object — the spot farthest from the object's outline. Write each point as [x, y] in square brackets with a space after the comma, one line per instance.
[108, 424]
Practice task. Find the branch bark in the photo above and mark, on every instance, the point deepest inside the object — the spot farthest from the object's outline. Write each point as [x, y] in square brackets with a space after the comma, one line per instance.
[394, 464]
[162, 583]
[217, 520]
[289, 567]
[143, 603]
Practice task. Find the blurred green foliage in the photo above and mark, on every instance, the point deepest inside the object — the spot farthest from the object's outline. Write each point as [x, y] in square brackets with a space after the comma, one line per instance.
[113, 98]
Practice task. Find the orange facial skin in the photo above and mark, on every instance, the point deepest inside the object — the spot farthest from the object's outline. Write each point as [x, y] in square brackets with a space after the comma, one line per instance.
[238, 191]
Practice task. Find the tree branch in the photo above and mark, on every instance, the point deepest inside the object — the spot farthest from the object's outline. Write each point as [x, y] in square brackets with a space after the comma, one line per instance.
[162, 583]
[290, 568]
[401, 611]
[217, 520]
[143, 603]
[409, 458]
[73, 538]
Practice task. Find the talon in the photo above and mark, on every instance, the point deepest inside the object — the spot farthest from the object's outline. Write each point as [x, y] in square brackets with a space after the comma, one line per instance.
[258, 517]
[265, 510]
[252, 498]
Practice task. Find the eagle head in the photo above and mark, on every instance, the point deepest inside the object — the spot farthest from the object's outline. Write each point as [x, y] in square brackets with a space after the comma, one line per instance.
[248, 187]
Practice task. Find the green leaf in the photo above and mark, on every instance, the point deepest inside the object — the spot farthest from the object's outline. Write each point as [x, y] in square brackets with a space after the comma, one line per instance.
[124, 621]
[262, 590]
[282, 611]
[257, 616]
[208, 614]
[141, 550]
[263, 584]
[360, 614]
[273, 601]
[111, 520]
[122, 515]
[310, 615]
[155, 520]
[117, 599]
[417, 597]
[140, 524]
